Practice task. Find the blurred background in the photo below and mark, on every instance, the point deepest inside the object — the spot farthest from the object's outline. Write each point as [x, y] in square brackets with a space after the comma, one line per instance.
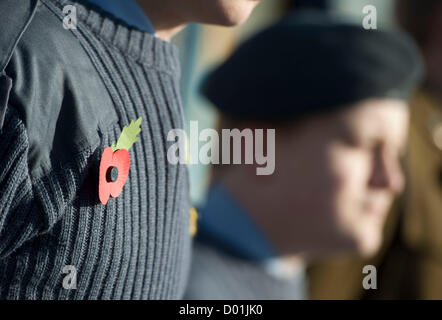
[410, 262]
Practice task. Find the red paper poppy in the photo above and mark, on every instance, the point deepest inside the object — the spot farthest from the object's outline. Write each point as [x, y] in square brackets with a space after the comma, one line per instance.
[114, 169]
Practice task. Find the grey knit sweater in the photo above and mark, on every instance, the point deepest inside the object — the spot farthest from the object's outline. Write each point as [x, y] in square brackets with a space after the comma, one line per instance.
[72, 93]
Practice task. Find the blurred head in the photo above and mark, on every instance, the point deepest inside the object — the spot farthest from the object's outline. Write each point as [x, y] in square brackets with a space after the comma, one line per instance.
[336, 94]
[335, 180]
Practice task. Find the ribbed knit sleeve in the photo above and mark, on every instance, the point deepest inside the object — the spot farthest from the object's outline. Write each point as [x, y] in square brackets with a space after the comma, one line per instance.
[20, 217]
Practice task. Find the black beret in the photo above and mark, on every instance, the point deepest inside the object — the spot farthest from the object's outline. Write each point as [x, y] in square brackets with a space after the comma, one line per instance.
[312, 62]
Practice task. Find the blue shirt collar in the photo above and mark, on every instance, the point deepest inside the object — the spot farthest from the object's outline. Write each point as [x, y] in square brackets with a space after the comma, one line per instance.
[225, 224]
[127, 10]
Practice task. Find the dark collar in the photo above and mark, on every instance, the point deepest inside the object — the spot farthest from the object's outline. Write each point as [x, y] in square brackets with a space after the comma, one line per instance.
[223, 223]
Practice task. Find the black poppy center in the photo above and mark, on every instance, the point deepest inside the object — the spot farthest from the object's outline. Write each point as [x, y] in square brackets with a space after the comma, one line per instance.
[112, 174]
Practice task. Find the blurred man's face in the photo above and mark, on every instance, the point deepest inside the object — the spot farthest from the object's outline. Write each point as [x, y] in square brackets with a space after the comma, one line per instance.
[222, 12]
[337, 176]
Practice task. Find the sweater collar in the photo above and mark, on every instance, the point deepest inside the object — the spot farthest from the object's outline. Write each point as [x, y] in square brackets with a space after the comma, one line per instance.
[141, 47]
